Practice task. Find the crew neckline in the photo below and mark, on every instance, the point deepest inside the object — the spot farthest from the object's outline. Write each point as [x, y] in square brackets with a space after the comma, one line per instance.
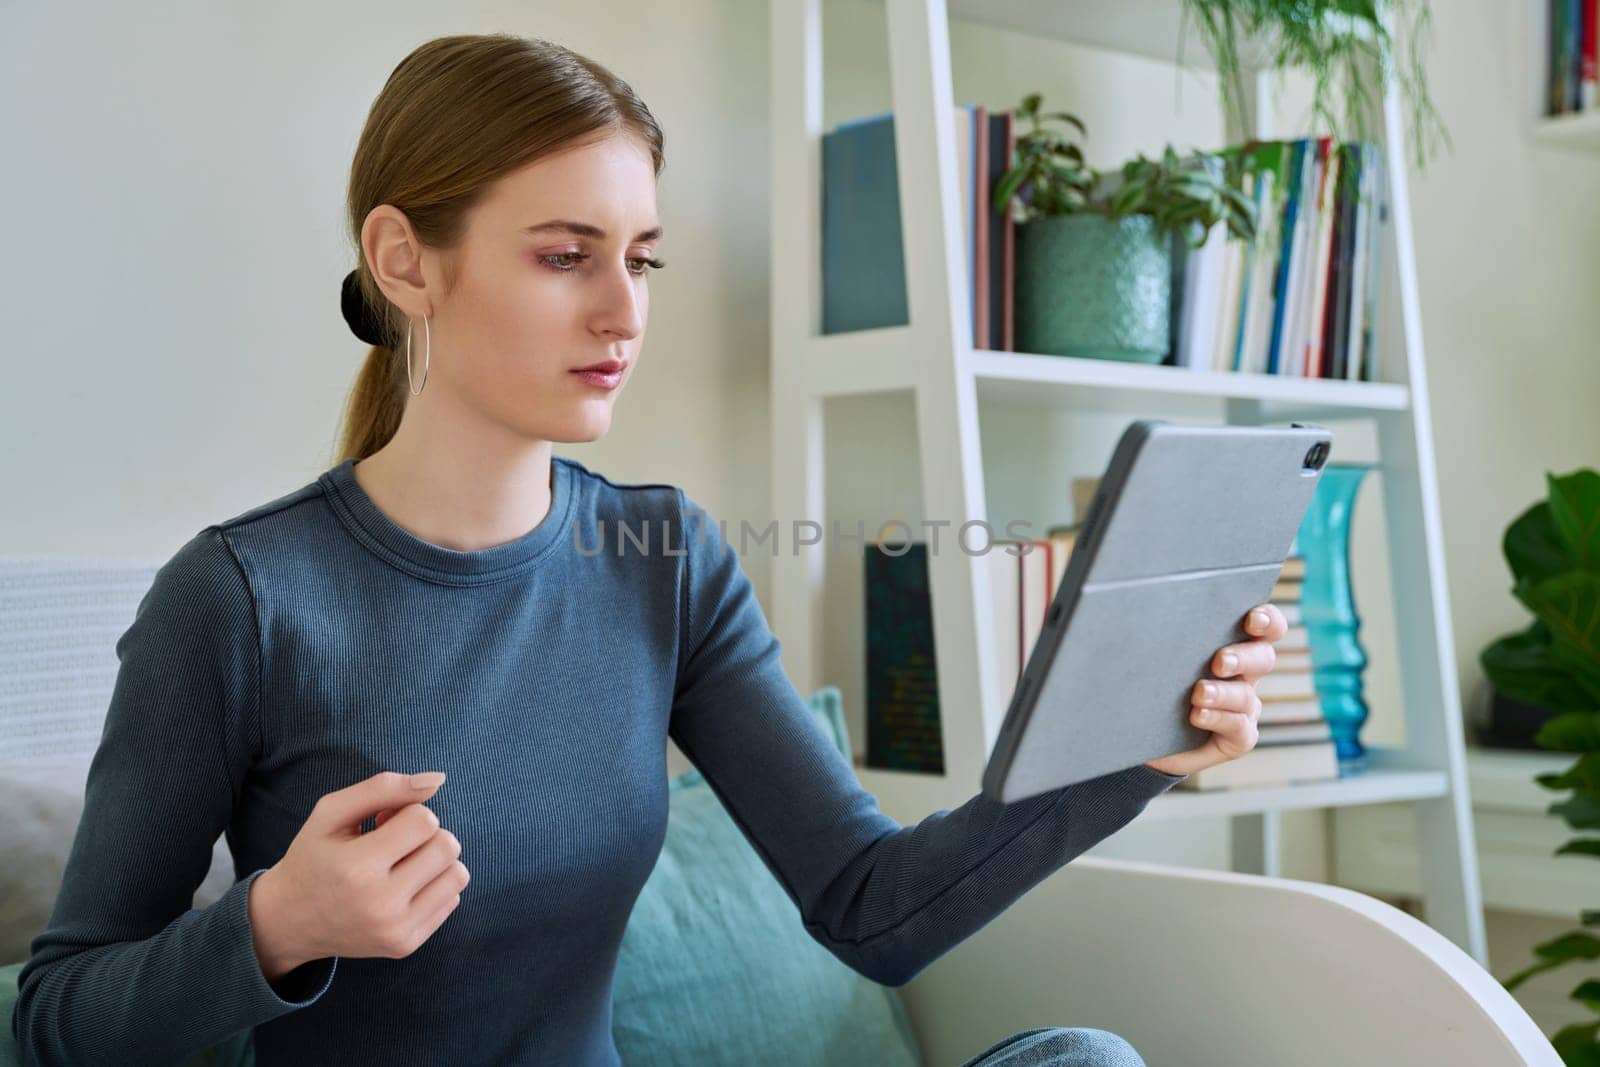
[424, 559]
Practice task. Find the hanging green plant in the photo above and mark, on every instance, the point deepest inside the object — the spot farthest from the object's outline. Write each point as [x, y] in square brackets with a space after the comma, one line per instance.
[1344, 45]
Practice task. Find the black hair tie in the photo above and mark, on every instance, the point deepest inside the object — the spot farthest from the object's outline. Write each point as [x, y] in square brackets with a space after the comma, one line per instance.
[358, 313]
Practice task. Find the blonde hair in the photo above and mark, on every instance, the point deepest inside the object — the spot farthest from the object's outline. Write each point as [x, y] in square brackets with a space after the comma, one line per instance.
[455, 116]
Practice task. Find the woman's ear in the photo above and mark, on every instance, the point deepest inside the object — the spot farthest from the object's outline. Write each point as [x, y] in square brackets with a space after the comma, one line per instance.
[395, 258]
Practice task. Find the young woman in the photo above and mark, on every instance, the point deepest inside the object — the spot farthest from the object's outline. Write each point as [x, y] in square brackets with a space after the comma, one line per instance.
[452, 597]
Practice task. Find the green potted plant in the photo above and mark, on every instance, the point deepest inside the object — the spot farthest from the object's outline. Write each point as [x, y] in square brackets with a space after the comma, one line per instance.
[1553, 550]
[1347, 48]
[1093, 268]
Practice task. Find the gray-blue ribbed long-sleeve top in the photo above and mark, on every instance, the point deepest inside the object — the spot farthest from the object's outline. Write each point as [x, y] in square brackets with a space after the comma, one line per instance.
[312, 641]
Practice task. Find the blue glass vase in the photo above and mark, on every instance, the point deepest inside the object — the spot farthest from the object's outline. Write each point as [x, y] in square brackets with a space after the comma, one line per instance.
[1328, 611]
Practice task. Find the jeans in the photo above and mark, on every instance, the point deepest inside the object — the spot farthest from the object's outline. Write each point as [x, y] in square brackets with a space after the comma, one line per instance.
[1059, 1046]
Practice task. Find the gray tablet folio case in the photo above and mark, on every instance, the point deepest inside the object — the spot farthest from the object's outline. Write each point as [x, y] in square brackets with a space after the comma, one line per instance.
[1189, 529]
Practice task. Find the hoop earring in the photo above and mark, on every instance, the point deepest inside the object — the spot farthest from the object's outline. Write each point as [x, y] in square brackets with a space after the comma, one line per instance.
[427, 354]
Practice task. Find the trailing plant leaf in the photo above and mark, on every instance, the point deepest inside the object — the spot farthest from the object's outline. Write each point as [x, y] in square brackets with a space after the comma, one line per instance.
[1342, 44]
[1554, 953]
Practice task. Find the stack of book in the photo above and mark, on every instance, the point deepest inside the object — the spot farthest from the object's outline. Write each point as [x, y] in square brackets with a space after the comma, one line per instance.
[1302, 298]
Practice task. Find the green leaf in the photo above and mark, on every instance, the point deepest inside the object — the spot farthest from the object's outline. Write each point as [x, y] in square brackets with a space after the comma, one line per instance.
[1575, 507]
[1556, 952]
[1064, 117]
[1582, 812]
[1582, 846]
[1522, 666]
[1127, 199]
[1588, 994]
[1584, 774]
[1574, 731]
[1575, 1042]
[1569, 604]
[1533, 546]
[1007, 187]
[1570, 946]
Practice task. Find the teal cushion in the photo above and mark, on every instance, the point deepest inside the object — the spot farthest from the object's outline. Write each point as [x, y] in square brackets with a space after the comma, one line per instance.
[716, 968]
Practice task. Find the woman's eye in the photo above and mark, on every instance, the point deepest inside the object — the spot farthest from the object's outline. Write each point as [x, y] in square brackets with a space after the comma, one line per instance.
[562, 261]
[563, 255]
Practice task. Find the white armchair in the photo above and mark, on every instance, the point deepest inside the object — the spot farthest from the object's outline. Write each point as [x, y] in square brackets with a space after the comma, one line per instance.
[1200, 968]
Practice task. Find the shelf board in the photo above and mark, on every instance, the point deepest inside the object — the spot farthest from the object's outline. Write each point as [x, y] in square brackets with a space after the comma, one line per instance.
[1577, 131]
[1392, 776]
[880, 360]
[1100, 385]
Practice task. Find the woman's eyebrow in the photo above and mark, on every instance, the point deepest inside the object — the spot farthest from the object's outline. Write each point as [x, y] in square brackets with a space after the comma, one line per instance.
[586, 229]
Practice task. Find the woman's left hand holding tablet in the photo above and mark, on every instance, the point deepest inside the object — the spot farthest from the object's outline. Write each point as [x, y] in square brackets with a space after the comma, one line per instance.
[1231, 708]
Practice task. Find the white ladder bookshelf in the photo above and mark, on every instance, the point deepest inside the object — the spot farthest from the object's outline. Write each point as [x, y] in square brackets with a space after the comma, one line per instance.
[933, 359]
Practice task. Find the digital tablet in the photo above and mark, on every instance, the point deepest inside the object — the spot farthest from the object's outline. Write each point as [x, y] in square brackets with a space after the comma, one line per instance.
[1189, 529]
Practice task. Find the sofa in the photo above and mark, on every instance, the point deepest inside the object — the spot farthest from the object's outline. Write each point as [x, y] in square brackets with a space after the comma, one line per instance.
[1193, 967]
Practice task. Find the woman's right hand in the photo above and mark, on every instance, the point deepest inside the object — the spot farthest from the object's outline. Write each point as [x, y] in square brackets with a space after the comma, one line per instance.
[340, 892]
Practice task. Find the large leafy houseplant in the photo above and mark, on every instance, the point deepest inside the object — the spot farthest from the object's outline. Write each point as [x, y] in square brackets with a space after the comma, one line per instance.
[1348, 47]
[1553, 550]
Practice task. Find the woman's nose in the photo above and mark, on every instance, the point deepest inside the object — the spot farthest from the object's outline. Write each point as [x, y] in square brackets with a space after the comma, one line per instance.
[621, 309]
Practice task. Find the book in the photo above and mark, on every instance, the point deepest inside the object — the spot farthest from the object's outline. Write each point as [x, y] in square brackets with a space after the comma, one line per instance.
[1286, 683]
[1195, 325]
[902, 678]
[1005, 590]
[1306, 709]
[863, 251]
[980, 233]
[998, 230]
[1322, 247]
[1269, 765]
[1285, 733]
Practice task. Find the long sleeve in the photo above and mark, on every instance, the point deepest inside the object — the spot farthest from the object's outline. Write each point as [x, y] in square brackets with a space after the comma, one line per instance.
[886, 899]
[127, 971]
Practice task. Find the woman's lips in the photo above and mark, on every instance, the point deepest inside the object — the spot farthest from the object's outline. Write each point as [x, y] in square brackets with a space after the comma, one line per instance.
[601, 379]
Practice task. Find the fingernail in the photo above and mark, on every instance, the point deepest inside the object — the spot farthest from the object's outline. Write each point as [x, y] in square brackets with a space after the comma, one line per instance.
[1230, 662]
[1209, 690]
[1259, 618]
[427, 779]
